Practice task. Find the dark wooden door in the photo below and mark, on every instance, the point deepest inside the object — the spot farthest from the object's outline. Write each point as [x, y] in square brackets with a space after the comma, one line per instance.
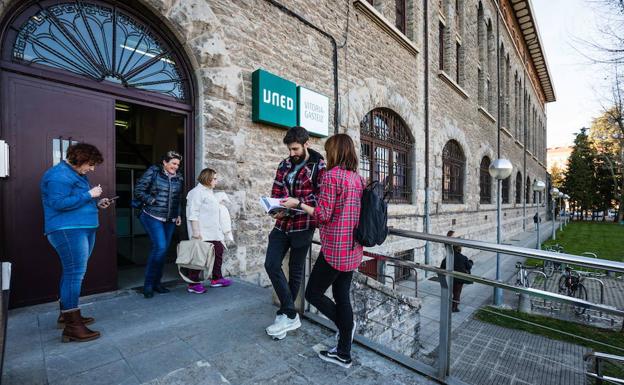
[38, 117]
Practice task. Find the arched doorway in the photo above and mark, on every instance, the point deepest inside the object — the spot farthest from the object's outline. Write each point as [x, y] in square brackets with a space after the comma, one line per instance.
[97, 71]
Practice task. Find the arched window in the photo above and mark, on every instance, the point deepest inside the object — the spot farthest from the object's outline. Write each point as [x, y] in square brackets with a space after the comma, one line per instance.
[485, 181]
[453, 168]
[386, 152]
[527, 191]
[519, 187]
[505, 189]
[98, 41]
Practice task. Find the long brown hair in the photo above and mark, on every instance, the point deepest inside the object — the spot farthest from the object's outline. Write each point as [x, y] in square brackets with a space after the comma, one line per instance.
[340, 152]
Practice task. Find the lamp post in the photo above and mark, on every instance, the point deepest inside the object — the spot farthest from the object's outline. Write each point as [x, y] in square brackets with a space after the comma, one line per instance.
[538, 186]
[554, 193]
[499, 170]
[566, 197]
[560, 220]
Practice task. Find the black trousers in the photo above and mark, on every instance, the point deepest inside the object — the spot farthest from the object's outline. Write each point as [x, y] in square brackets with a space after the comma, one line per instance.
[279, 243]
[340, 312]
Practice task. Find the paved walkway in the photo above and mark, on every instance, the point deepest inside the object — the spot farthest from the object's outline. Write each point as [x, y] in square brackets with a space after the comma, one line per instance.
[182, 338]
[473, 296]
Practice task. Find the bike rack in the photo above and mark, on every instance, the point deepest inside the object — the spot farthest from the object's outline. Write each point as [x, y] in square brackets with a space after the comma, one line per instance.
[598, 358]
[543, 275]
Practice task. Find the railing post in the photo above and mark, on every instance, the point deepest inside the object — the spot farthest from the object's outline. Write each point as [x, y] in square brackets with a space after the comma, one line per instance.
[446, 298]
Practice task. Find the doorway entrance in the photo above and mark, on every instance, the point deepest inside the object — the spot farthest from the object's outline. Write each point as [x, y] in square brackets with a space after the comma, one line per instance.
[104, 72]
[142, 135]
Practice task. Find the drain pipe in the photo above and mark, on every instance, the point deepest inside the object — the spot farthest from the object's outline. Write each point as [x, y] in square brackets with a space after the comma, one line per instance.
[291, 13]
[427, 223]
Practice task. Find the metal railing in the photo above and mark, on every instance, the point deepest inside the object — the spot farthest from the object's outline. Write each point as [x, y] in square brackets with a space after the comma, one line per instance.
[441, 369]
[598, 360]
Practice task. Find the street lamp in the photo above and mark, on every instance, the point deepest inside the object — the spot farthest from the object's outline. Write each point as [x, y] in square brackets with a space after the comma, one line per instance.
[499, 169]
[566, 197]
[538, 186]
[554, 193]
[560, 220]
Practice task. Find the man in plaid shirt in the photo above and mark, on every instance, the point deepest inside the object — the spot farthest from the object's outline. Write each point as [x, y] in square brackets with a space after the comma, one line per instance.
[297, 176]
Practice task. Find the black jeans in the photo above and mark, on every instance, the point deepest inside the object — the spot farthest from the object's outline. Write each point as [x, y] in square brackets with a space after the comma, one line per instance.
[340, 312]
[279, 243]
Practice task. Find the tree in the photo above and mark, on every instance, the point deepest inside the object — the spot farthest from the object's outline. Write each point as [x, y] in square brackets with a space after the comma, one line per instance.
[557, 176]
[580, 179]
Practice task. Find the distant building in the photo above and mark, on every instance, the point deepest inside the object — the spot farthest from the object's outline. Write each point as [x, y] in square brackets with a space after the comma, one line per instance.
[558, 156]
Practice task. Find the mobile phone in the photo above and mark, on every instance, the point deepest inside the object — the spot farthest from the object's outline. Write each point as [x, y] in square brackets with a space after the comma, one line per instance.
[113, 198]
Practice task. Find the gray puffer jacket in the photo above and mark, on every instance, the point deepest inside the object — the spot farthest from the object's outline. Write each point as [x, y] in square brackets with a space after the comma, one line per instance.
[162, 198]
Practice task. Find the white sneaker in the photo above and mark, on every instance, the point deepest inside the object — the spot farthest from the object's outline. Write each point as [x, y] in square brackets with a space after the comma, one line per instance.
[337, 336]
[283, 324]
[277, 321]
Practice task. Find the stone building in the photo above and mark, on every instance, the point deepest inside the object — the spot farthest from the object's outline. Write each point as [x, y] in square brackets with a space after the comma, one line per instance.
[414, 82]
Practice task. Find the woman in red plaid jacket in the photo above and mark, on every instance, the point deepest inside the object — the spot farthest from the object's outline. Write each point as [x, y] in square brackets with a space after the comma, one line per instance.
[337, 213]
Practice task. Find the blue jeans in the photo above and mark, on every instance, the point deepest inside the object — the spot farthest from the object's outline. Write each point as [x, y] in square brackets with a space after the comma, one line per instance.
[74, 247]
[160, 234]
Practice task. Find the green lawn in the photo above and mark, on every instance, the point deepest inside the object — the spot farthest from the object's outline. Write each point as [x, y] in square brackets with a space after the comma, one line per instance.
[614, 339]
[604, 239]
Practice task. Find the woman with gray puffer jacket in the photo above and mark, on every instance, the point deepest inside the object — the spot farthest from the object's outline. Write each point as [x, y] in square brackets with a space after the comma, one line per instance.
[160, 191]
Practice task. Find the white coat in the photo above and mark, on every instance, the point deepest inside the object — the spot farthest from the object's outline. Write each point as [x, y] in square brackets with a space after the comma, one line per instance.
[206, 207]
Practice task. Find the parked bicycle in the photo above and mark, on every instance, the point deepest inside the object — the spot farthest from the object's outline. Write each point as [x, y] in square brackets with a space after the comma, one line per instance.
[549, 266]
[571, 284]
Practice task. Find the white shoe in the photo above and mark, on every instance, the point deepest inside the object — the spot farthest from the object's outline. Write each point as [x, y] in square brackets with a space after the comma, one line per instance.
[277, 321]
[283, 325]
[337, 336]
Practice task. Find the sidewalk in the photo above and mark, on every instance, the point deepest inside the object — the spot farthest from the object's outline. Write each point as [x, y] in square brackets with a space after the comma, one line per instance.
[182, 338]
[473, 296]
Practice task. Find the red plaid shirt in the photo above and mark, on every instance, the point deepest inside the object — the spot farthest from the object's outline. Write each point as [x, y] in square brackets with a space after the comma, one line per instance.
[303, 189]
[338, 213]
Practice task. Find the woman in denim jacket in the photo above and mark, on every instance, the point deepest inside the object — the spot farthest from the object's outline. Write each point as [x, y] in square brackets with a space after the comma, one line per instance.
[159, 190]
[70, 208]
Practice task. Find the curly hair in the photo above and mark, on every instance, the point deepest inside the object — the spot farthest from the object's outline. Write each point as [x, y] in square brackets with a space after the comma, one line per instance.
[81, 153]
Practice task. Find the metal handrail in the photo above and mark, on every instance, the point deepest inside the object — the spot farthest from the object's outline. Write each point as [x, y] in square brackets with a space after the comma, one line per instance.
[601, 286]
[442, 372]
[598, 359]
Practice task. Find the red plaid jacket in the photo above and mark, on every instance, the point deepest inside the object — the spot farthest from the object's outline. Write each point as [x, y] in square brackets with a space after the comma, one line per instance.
[338, 213]
[303, 189]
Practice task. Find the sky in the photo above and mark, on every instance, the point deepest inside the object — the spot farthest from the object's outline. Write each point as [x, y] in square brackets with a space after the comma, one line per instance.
[580, 87]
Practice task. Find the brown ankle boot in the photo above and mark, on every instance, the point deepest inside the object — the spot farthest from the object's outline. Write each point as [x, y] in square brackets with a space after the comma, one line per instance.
[60, 322]
[75, 329]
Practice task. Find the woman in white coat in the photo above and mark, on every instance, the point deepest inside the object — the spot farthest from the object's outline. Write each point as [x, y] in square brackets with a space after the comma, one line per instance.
[209, 220]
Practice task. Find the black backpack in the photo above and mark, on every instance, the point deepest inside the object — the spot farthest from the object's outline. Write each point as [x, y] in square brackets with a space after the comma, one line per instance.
[372, 227]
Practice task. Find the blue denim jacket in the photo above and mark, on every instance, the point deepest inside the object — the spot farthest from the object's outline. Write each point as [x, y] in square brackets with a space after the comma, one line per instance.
[66, 199]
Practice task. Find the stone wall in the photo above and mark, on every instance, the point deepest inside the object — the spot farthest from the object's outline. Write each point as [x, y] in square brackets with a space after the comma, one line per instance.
[227, 40]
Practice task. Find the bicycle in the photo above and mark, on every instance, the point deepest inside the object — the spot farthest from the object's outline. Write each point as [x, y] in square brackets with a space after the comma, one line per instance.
[550, 267]
[570, 284]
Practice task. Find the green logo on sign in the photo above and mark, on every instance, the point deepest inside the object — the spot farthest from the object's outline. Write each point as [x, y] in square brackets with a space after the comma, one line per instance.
[274, 99]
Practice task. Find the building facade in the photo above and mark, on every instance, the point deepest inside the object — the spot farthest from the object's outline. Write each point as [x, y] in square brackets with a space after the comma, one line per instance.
[558, 156]
[432, 92]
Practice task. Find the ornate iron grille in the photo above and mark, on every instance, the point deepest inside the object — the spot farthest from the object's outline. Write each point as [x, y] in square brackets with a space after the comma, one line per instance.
[519, 187]
[102, 43]
[485, 181]
[505, 189]
[386, 148]
[453, 166]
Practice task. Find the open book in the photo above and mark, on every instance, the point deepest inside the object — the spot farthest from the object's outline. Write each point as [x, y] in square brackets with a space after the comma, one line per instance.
[272, 206]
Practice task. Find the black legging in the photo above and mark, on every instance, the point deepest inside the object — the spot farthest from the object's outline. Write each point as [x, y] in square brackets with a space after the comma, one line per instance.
[340, 311]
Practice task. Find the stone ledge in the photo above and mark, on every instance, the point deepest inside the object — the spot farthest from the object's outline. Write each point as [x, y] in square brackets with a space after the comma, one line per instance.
[456, 87]
[507, 132]
[385, 24]
[487, 114]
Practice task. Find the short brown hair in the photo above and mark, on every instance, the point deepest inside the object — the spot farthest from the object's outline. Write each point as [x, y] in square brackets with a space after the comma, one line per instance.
[206, 176]
[81, 153]
[340, 152]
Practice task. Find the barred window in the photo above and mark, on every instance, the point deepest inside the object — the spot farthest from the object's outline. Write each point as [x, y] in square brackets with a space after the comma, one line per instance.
[505, 189]
[385, 156]
[527, 191]
[453, 167]
[485, 181]
[401, 15]
[519, 187]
